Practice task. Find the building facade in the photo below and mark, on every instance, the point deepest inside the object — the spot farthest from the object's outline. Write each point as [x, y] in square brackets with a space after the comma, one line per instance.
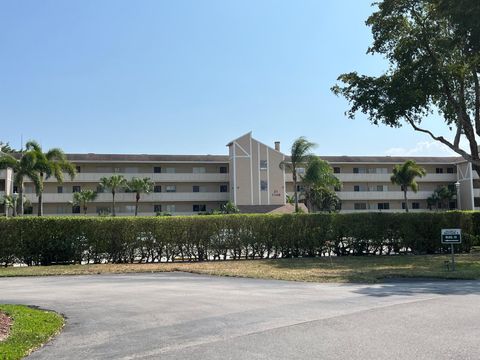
[251, 176]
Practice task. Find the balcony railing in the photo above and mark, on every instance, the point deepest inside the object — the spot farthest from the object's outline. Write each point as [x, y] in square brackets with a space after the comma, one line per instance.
[350, 177]
[382, 195]
[162, 177]
[130, 197]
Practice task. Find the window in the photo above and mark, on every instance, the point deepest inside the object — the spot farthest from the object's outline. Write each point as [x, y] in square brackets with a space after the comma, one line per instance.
[103, 210]
[355, 170]
[360, 206]
[157, 170]
[476, 202]
[61, 209]
[439, 170]
[15, 189]
[452, 188]
[75, 209]
[2, 185]
[198, 208]
[337, 188]
[59, 189]
[2, 209]
[415, 205]
[381, 188]
[78, 169]
[263, 165]
[451, 170]
[403, 205]
[356, 188]
[223, 188]
[452, 205]
[157, 189]
[28, 210]
[199, 170]
[359, 170]
[263, 185]
[383, 206]
[100, 189]
[157, 208]
[76, 188]
[170, 170]
[196, 188]
[170, 208]
[300, 170]
[336, 170]
[129, 209]
[223, 169]
[300, 188]
[171, 188]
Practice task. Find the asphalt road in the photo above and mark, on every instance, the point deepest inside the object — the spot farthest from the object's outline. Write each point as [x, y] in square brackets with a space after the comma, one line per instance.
[183, 316]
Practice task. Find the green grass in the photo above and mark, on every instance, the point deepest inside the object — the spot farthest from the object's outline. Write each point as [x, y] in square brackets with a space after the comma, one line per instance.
[369, 269]
[31, 329]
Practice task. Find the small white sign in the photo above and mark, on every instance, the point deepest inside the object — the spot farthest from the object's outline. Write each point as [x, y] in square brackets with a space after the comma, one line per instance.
[451, 236]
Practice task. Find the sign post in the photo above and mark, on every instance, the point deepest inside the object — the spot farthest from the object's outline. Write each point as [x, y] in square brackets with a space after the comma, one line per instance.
[452, 236]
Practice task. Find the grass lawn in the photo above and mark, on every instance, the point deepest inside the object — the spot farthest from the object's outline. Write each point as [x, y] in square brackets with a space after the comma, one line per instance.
[342, 269]
[30, 329]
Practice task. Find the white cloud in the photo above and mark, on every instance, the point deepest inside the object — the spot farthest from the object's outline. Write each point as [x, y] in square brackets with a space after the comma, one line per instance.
[423, 148]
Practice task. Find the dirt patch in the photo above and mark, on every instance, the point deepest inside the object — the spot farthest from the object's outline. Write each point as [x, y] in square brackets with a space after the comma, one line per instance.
[5, 324]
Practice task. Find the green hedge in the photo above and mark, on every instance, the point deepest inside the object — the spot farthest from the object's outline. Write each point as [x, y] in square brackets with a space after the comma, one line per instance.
[54, 240]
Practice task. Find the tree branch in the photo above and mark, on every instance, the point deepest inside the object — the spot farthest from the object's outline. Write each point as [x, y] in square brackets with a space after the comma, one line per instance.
[477, 101]
[441, 139]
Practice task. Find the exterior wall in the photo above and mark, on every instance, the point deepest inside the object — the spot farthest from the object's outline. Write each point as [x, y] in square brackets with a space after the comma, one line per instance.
[256, 177]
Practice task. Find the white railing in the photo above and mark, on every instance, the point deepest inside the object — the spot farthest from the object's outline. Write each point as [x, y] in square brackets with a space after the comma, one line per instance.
[350, 177]
[130, 197]
[177, 177]
[382, 195]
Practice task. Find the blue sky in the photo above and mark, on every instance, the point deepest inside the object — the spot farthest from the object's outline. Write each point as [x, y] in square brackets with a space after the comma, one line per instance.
[185, 77]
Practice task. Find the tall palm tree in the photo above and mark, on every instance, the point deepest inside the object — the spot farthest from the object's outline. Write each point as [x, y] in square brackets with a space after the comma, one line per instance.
[82, 198]
[139, 186]
[405, 175]
[24, 165]
[300, 154]
[52, 163]
[113, 183]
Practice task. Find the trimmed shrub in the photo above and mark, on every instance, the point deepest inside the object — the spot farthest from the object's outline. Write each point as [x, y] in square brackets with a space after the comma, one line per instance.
[65, 240]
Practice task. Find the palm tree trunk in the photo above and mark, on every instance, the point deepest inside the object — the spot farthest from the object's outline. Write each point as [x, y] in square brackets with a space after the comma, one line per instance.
[406, 201]
[40, 204]
[113, 203]
[136, 203]
[295, 188]
[20, 197]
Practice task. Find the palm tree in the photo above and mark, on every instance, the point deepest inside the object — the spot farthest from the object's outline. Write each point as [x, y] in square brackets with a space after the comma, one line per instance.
[319, 180]
[82, 198]
[300, 154]
[139, 186]
[405, 175]
[9, 203]
[52, 163]
[113, 183]
[23, 165]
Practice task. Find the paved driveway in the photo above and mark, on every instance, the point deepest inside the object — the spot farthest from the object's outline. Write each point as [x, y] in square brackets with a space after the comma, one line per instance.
[183, 316]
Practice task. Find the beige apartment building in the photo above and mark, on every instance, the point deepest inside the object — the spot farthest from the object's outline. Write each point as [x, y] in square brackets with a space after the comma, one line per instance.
[250, 176]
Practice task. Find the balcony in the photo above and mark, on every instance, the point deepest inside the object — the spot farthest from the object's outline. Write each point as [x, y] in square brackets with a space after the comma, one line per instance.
[130, 197]
[163, 177]
[382, 195]
[385, 178]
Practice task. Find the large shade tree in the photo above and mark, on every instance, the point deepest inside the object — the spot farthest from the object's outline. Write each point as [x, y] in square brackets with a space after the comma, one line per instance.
[54, 163]
[300, 154]
[405, 176]
[113, 183]
[433, 50]
[139, 186]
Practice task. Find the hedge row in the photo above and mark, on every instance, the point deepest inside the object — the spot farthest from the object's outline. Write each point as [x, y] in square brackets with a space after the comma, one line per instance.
[48, 240]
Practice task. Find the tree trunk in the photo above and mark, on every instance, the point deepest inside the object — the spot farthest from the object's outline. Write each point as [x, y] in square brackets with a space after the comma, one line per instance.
[20, 196]
[406, 200]
[113, 203]
[295, 189]
[40, 204]
[136, 203]
[84, 208]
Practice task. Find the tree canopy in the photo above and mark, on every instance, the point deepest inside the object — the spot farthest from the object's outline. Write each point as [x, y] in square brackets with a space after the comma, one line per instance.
[433, 50]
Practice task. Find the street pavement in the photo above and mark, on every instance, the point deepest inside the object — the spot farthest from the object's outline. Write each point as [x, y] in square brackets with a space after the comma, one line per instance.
[185, 316]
